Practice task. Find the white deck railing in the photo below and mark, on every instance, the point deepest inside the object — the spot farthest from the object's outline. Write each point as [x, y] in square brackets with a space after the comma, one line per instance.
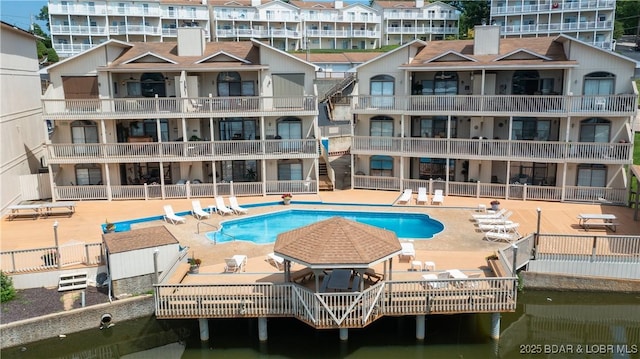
[584, 248]
[176, 107]
[333, 310]
[29, 260]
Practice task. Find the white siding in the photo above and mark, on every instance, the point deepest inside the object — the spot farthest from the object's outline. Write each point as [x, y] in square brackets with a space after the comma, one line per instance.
[139, 262]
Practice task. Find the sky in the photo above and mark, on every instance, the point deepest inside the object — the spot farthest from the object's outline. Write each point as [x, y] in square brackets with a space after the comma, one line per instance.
[19, 13]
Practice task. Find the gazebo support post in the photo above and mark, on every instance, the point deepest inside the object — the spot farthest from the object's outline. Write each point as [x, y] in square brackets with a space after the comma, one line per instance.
[344, 334]
[262, 329]
[495, 326]
[420, 327]
[204, 329]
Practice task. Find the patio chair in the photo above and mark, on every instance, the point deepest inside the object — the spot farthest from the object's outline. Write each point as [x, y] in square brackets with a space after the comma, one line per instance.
[235, 263]
[507, 227]
[275, 260]
[221, 207]
[498, 214]
[435, 280]
[504, 219]
[197, 211]
[407, 251]
[493, 236]
[233, 204]
[438, 197]
[170, 216]
[422, 196]
[406, 196]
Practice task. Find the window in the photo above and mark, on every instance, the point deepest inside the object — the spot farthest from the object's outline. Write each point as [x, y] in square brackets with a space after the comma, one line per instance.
[445, 83]
[591, 175]
[88, 174]
[289, 128]
[229, 84]
[431, 127]
[152, 84]
[381, 126]
[599, 83]
[525, 82]
[239, 171]
[84, 131]
[382, 87]
[595, 130]
[237, 129]
[530, 128]
[434, 168]
[381, 166]
[289, 170]
[150, 128]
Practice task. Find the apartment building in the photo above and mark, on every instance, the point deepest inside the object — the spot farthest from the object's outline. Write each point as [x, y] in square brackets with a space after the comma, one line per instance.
[544, 119]
[590, 21]
[192, 118]
[21, 125]
[296, 25]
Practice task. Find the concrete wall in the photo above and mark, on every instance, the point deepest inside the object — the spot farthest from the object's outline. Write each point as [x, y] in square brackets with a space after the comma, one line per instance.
[53, 325]
[133, 285]
[549, 281]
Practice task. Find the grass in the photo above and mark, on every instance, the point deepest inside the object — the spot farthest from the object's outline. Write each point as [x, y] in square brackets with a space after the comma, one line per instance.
[636, 149]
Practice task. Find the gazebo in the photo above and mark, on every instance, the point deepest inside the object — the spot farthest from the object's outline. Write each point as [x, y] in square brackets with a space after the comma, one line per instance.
[337, 244]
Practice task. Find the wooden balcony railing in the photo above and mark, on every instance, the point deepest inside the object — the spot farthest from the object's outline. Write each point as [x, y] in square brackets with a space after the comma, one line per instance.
[335, 310]
[494, 149]
[181, 151]
[177, 107]
[519, 105]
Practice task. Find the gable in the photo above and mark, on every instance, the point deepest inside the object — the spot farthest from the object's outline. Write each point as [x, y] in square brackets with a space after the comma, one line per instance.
[522, 54]
[222, 56]
[450, 56]
[150, 57]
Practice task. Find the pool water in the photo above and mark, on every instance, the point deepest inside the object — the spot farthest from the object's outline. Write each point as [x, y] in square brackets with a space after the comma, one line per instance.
[263, 229]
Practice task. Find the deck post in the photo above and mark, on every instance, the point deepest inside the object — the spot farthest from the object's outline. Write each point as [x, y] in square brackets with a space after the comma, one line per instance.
[262, 329]
[344, 334]
[495, 325]
[204, 329]
[420, 327]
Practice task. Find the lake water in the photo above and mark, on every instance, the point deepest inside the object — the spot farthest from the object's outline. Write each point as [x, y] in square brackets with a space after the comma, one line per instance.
[599, 325]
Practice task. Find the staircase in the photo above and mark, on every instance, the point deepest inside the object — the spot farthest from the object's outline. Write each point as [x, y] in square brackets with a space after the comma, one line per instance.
[324, 183]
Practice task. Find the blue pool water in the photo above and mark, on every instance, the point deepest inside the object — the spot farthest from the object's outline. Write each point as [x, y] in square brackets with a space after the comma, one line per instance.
[264, 229]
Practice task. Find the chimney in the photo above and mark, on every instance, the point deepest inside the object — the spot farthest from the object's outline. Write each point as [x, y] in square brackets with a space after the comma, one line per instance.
[255, 3]
[419, 3]
[486, 40]
[191, 41]
[339, 4]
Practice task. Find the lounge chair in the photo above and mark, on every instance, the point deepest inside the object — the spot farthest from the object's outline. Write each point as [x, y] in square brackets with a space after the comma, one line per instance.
[170, 216]
[435, 281]
[233, 204]
[407, 251]
[235, 263]
[501, 236]
[422, 196]
[406, 196]
[507, 227]
[438, 197]
[221, 207]
[498, 214]
[197, 211]
[275, 260]
[504, 219]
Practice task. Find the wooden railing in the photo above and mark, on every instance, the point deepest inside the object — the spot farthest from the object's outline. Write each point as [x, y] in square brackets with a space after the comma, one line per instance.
[181, 151]
[494, 149]
[335, 310]
[499, 105]
[177, 107]
[29, 260]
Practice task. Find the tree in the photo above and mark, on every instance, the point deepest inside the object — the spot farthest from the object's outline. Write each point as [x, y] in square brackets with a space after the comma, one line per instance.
[474, 13]
[44, 15]
[627, 13]
[7, 292]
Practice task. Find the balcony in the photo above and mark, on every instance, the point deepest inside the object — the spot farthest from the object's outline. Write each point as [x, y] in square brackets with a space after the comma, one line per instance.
[553, 6]
[78, 30]
[499, 105]
[485, 149]
[200, 13]
[422, 30]
[181, 151]
[557, 27]
[134, 29]
[171, 107]
[418, 14]
[71, 49]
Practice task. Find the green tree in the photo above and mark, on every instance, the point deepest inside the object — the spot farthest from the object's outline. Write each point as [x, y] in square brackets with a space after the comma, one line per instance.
[44, 15]
[52, 55]
[7, 292]
[628, 13]
[475, 13]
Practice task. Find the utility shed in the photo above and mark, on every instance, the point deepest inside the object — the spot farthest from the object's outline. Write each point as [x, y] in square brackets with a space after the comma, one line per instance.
[130, 257]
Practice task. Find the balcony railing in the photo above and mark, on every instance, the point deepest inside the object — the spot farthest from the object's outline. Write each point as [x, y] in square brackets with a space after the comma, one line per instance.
[178, 107]
[553, 6]
[79, 29]
[418, 14]
[181, 151]
[557, 27]
[422, 30]
[500, 105]
[544, 151]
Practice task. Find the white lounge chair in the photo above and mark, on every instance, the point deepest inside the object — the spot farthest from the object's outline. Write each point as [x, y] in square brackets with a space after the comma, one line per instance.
[504, 219]
[436, 281]
[170, 216]
[422, 196]
[507, 227]
[221, 207]
[406, 196]
[275, 260]
[501, 236]
[498, 214]
[197, 211]
[233, 204]
[438, 197]
[407, 251]
[235, 263]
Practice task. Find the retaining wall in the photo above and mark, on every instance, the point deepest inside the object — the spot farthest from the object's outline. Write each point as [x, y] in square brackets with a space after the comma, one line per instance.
[549, 281]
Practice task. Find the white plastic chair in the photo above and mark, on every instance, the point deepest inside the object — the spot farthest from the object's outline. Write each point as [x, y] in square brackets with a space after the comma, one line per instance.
[197, 211]
[233, 204]
[221, 207]
[170, 216]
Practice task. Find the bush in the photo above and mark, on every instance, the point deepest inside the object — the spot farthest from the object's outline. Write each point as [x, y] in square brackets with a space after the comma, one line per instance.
[7, 292]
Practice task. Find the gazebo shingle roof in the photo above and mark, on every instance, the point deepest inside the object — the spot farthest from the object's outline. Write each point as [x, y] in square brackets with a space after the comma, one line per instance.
[336, 242]
[119, 242]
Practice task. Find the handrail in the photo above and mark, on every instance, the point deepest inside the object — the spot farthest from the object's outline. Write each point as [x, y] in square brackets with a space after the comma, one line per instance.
[208, 224]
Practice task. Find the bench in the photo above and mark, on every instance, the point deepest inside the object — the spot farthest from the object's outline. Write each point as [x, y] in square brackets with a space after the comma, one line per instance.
[605, 221]
[32, 210]
[302, 275]
[68, 208]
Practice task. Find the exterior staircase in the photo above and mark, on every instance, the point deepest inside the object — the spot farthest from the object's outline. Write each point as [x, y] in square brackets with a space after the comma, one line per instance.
[324, 182]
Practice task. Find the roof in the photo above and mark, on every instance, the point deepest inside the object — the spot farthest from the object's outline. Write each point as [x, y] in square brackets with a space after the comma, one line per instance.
[119, 242]
[396, 4]
[337, 243]
[512, 52]
[339, 58]
[19, 30]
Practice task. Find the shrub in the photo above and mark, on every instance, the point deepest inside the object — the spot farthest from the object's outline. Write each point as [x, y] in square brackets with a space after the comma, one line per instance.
[7, 292]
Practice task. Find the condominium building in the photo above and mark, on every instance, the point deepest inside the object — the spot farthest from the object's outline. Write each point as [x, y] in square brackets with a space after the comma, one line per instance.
[545, 119]
[590, 21]
[295, 25]
[135, 120]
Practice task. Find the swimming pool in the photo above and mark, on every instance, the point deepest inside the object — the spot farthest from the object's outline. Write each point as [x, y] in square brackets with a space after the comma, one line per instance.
[263, 229]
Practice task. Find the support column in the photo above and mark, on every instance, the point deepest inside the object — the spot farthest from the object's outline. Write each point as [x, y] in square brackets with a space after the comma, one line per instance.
[495, 325]
[344, 334]
[204, 329]
[420, 326]
[262, 329]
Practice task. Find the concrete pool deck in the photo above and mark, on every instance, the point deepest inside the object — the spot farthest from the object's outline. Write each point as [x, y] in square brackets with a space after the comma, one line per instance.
[460, 245]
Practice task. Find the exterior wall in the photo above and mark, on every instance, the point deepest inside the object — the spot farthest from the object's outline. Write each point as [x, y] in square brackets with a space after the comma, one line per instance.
[132, 285]
[551, 281]
[139, 262]
[21, 128]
